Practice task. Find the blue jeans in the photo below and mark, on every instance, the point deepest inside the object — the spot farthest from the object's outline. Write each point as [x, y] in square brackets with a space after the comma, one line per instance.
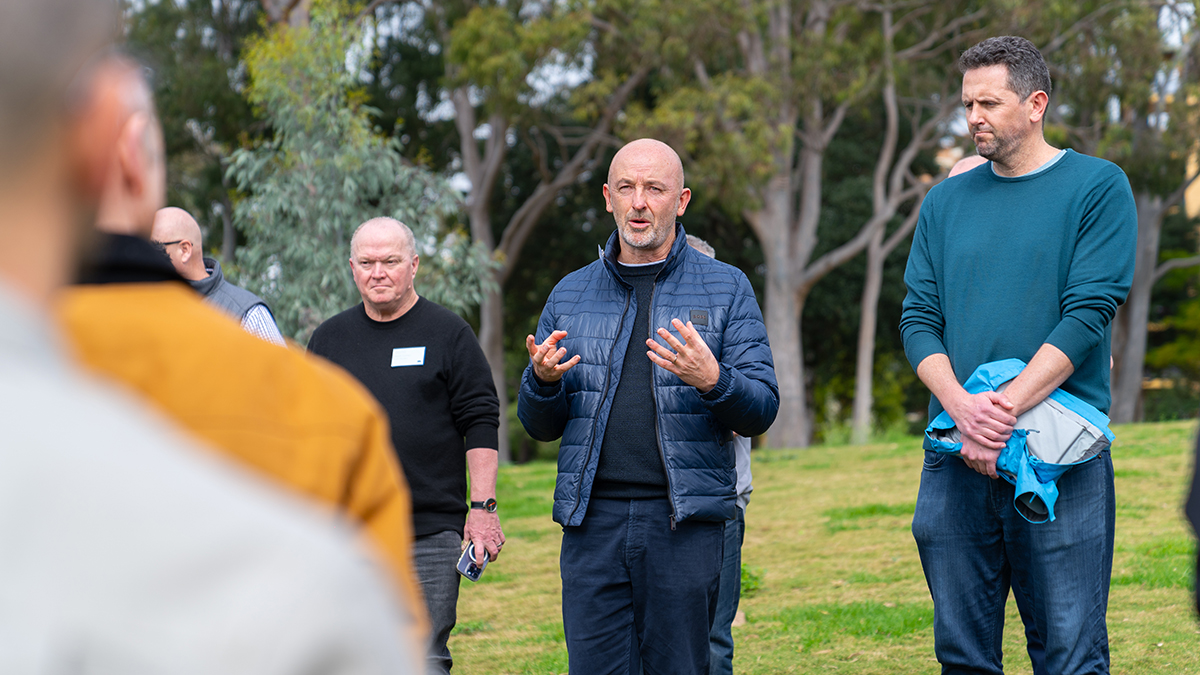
[1033, 642]
[637, 595]
[973, 544]
[436, 557]
[720, 638]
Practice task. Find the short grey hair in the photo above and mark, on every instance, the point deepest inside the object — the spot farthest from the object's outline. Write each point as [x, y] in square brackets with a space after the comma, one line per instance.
[406, 233]
[1027, 71]
[701, 245]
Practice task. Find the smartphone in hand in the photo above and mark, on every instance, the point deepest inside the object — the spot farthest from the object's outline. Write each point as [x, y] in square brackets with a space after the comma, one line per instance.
[467, 565]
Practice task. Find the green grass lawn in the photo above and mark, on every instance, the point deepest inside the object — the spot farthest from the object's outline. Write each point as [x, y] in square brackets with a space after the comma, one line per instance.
[841, 589]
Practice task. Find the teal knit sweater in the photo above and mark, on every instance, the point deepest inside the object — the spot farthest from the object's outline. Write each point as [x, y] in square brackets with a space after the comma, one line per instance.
[1000, 266]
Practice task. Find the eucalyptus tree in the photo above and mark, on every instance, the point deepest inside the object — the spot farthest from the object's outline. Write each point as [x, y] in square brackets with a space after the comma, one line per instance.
[552, 76]
[193, 48]
[325, 169]
[1126, 83]
[756, 110]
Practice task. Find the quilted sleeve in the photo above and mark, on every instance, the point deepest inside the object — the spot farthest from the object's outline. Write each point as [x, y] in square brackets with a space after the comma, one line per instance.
[746, 397]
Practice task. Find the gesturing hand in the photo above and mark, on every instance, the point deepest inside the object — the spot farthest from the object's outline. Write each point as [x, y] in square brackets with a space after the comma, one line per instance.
[691, 359]
[545, 357]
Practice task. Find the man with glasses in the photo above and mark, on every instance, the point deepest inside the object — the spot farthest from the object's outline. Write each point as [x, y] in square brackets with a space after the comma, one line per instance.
[177, 232]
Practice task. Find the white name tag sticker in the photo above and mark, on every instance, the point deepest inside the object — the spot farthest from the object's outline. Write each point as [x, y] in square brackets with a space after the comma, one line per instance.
[408, 356]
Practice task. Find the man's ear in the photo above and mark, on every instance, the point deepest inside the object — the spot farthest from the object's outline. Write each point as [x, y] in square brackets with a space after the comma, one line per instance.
[94, 129]
[685, 196]
[185, 251]
[607, 199]
[1039, 101]
[132, 161]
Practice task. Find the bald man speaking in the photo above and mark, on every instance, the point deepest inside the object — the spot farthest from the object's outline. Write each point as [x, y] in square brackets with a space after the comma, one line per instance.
[178, 233]
[645, 363]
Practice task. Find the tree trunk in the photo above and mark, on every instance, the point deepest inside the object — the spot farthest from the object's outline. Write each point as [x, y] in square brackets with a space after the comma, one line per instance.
[491, 338]
[792, 428]
[228, 235]
[1129, 325]
[864, 369]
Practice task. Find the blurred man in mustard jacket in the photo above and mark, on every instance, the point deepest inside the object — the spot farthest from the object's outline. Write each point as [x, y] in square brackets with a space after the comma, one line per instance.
[297, 420]
[124, 547]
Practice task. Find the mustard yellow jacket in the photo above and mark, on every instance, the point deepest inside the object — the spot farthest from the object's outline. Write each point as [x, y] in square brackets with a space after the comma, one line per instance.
[295, 418]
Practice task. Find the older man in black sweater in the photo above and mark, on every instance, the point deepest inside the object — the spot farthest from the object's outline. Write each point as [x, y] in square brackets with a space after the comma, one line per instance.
[426, 368]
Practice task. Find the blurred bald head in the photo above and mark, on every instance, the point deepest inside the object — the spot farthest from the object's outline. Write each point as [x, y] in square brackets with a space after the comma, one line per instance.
[966, 164]
[60, 116]
[135, 188]
[178, 233]
[48, 51]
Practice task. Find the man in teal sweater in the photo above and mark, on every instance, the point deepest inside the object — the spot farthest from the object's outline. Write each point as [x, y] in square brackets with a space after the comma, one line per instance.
[1024, 257]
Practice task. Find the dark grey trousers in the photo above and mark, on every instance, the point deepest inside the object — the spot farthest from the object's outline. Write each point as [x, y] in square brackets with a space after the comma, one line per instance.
[436, 556]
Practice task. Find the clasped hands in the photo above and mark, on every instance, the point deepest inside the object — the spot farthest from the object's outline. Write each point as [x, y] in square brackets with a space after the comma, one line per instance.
[985, 422]
[687, 356]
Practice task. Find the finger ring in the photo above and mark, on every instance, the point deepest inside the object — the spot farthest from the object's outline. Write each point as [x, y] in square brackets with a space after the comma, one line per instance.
[675, 357]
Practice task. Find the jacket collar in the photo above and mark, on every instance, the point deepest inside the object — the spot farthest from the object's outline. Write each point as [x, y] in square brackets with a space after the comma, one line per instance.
[613, 247]
[124, 259]
[208, 285]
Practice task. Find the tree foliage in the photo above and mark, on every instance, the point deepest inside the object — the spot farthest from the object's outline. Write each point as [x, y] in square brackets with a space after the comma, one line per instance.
[779, 109]
[325, 170]
[194, 49]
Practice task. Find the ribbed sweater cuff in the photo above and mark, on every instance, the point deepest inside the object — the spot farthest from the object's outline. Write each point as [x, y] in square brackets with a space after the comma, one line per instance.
[544, 389]
[920, 346]
[724, 380]
[482, 435]
[1074, 338]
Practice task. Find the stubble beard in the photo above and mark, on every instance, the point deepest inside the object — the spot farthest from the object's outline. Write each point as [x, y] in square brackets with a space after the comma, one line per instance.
[998, 150]
[650, 240]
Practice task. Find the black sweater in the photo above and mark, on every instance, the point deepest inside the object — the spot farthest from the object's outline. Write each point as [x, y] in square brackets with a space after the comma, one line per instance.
[440, 400]
[631, 465]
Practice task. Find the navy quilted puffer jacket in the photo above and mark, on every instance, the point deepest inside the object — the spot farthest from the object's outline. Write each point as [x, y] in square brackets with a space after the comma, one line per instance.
[597, 309]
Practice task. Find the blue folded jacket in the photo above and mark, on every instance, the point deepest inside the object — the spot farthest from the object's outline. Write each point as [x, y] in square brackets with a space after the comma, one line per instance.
[1047, 440]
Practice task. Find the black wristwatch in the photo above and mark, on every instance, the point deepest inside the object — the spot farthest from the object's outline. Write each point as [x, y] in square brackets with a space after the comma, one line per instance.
[489, 505]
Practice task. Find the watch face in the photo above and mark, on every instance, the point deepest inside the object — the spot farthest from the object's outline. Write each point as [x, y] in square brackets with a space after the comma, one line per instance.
[490, 505]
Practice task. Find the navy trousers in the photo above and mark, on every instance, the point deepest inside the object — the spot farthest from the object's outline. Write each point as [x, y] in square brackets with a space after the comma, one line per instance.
[720, 638]
[637, 595]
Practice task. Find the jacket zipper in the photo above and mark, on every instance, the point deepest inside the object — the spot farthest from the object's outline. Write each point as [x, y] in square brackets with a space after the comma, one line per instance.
[596, 422]
[662, 454]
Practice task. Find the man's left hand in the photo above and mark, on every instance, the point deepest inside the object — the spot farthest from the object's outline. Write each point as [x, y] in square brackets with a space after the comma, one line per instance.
[483, 530]
[691, 359]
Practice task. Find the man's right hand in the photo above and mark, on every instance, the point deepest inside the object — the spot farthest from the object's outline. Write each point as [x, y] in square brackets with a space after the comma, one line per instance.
[545, 357]
[984, 419]
[980, 458]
